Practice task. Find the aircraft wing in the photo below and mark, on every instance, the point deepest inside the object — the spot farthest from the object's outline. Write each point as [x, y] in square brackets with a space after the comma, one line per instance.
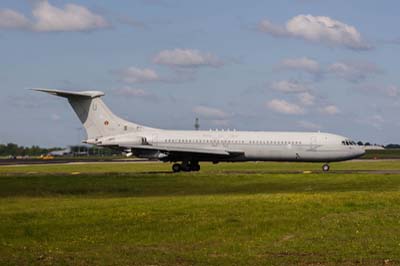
[189, 151]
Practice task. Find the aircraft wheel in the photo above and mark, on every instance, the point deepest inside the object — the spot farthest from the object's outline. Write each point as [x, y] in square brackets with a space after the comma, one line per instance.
[325, 167]
[176, 168]
[195, 167]
[186, 167]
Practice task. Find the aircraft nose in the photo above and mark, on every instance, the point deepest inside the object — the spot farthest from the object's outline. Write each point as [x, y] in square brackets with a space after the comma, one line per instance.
[360, 151]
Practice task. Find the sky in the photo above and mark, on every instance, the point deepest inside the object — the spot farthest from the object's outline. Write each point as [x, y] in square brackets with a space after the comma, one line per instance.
[289, 65]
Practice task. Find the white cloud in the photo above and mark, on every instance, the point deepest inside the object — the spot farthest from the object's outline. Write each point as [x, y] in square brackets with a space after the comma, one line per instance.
[131, 92]
[284, 107]
[375, 121]
[317, 29]
[210, 112]
[302, 64]
[377, 118]
[392, 91]
[330, 110]
[186, 58]
[288, 86]
[55, 117]
[275, 30]
[306, 98]
[309, 125]
[138, 75]
[49, 18]
[136, 93]
[354, 71]
[10, 19]
[70, 18]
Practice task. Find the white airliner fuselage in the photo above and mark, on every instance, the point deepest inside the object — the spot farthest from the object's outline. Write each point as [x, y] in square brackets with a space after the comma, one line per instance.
[191, 147]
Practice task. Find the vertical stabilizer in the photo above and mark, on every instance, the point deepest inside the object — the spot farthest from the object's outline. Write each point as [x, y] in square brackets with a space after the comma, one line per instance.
[96, 117]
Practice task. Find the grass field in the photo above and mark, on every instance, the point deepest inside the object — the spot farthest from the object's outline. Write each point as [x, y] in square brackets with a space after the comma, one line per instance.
[227, 214]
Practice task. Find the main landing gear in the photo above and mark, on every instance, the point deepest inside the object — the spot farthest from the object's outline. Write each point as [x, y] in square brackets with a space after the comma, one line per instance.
[186, 167]
[325, 167]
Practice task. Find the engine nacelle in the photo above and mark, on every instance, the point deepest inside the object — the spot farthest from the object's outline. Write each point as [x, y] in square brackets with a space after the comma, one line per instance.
[121, 141]
[151, 154]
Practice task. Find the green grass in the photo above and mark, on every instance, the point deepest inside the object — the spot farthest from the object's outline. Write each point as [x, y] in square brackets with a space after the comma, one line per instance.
[227, 214]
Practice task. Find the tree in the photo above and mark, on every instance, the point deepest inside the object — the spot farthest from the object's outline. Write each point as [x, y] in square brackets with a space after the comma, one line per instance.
[392, 146]
[15, 150]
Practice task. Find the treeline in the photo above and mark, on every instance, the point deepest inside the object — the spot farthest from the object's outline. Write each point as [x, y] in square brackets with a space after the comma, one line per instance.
[392, 146]
[389, 146]
[12, 149]
[15, 150]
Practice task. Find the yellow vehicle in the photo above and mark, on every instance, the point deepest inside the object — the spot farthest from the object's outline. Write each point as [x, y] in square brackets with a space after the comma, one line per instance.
[47, 157]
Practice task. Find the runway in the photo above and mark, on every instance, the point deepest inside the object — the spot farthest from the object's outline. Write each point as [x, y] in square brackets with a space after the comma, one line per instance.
[9, 162]
[30, 162]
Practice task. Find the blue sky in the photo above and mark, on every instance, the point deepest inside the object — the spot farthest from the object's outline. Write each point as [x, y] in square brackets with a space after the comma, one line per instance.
[303, 65]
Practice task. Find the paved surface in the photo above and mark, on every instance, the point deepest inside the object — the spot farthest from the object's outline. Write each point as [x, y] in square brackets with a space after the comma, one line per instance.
[65, 161]
[25, 162]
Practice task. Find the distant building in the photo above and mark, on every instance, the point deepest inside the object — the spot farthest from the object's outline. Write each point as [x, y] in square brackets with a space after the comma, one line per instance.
[374, 147]
[64, 152]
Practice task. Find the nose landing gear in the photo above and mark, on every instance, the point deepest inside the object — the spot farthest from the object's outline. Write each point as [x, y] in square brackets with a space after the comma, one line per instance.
[325, 167]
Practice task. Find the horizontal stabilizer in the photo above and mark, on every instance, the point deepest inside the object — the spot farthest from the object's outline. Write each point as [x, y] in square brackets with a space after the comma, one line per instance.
[68, 94]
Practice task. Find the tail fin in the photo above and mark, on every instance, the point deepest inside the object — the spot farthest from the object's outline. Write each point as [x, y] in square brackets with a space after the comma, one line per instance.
[95, 116]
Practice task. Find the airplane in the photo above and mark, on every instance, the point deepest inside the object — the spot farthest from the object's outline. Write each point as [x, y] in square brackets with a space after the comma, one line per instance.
[187, 148]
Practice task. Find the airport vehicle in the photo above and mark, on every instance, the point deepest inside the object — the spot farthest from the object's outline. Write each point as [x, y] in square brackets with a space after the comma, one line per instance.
[105, 129]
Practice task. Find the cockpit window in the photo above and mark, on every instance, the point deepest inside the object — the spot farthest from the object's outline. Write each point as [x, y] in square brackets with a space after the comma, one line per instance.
[348, 142]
